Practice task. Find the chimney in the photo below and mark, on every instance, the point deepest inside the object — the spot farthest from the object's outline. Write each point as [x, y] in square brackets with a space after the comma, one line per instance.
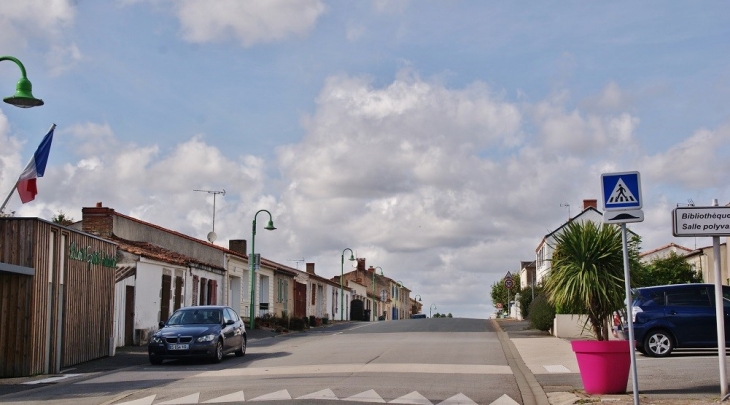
[361, 265]
[98, 220]
[310, 268]
[590, 203]
[238, 246]
[371, 269]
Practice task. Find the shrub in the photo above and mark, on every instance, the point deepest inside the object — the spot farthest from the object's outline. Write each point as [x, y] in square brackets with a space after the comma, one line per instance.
[541, 313]
[297, 324]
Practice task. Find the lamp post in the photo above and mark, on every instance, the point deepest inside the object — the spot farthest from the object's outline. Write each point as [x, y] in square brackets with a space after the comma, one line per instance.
[342, 276]
[398, 286]
[252, 263]
[381, 273]
[23, 97]
[433, 306]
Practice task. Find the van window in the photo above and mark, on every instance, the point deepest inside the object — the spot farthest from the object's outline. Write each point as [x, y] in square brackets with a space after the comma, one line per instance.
[689, 297]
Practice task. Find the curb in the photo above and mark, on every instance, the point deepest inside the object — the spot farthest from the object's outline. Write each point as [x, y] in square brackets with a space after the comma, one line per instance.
[531, 390]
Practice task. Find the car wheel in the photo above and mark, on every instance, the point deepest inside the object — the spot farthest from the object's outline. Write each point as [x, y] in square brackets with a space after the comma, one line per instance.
[242, 350]
[218, 355]
[658, 343]
[155, 360]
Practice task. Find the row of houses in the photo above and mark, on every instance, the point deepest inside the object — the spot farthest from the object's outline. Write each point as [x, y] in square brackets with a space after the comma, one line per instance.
[70, 294]
[701, 259]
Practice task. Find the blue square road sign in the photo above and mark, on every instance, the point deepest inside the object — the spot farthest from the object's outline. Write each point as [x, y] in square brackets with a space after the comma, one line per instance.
[621, 191]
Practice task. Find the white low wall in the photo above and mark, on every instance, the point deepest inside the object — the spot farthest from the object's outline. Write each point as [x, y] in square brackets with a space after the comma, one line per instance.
[569, 326]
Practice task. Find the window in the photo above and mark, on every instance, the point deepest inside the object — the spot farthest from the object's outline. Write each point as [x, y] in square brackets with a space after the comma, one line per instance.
[689, 297]
[282, 291]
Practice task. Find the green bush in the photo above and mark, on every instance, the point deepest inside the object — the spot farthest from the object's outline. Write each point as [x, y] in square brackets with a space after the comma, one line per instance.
[541, 313]
[526, 300]
[297, 323]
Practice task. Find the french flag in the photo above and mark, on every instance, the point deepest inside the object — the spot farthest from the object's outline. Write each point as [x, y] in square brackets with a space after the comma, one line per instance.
[36, 168]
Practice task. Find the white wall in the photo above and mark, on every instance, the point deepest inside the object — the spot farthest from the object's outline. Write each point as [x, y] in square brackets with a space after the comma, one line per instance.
[147, 297]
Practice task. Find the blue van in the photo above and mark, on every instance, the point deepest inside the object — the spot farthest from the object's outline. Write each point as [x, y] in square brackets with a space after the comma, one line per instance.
[677, 316]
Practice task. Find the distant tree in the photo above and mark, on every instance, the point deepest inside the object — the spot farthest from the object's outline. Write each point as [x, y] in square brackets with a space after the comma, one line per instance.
[499, 291]
[62, 219]
[449, 315]
[526, 299]
[437, 315]
[672, 269]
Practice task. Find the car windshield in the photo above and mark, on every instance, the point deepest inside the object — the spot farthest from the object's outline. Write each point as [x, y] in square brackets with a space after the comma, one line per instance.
[195, 316]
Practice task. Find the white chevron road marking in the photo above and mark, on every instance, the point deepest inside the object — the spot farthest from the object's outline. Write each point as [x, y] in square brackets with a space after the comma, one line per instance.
[505, 400]
[458, 399]
[367, 396]
[412, 398]
[142, 401]
[188, 399]
[234, 397]
[323, 394]
[274, 396]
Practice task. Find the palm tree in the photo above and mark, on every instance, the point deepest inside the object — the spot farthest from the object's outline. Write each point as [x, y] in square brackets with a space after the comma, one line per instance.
[586, 276]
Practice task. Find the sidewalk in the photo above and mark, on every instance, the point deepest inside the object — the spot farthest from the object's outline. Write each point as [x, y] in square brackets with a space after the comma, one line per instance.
[552, 362]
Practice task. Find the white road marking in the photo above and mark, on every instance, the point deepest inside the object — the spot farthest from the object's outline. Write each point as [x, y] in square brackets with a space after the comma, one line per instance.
[51, 379]
[458, 399]
[274, 396]
[235, 397]
[412, 398]
[142, 401]
[367, 396]
[378, 368]
[505, 400]
[188, 399]
[323, 394]
[557, 368]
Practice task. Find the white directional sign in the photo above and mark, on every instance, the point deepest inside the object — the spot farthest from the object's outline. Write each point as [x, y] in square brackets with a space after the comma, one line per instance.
[621, 191]
[701, 221]
[623, 217]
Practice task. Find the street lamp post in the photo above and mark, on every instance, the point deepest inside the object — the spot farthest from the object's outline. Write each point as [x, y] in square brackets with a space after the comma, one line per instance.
[398, 286]
[23, 96]
[433, 306]
[381, 273]
[342, 276]
[418, 300]
[252, 263]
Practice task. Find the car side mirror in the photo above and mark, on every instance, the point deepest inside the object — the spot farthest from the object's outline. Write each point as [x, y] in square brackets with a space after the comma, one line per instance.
[230, 322]
[161, 324]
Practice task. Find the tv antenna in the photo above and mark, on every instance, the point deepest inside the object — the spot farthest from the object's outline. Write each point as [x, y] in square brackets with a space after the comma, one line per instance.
[211, 235]
[690, 203]
[297, 261]
[567, 206]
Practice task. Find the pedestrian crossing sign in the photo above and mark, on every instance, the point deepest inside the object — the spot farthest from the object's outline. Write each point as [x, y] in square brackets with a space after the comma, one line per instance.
[621, 191]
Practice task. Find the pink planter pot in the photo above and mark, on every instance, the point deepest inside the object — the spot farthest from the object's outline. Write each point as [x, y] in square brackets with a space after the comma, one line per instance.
[604, 365]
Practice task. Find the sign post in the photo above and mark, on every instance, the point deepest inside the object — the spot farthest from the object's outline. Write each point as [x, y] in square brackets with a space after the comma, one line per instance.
[711, 221]
[622, 204]
[508, 284]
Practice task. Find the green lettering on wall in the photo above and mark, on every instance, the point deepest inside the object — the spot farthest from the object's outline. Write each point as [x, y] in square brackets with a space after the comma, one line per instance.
[87, 255]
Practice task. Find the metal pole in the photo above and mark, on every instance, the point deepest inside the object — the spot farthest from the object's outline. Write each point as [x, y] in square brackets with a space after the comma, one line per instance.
[342, 294]
[252, 265]
[719, 312]
[632, 344]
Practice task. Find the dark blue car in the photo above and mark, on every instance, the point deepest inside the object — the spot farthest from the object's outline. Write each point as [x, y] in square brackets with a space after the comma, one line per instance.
[203, 331]
[677, 316]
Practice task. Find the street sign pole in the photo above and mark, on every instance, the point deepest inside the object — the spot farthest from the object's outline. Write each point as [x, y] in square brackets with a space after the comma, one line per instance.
[719, 313]
[622, 203]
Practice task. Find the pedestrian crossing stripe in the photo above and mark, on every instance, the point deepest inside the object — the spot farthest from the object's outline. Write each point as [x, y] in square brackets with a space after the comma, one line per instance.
[367, 396]
[621, 193]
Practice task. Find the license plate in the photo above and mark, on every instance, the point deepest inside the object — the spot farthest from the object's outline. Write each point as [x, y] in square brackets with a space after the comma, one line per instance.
[177, 347]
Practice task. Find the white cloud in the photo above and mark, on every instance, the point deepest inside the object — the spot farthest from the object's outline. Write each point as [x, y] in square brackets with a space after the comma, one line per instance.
[46, 20]
[249, 23]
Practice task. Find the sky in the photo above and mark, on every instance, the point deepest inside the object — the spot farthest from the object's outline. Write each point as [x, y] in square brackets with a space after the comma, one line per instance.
[439, 140]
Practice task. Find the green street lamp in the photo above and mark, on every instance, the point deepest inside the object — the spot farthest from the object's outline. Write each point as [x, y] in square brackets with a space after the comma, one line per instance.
[252, 263]
[398, 286]
[433, 306]
[381, 273]
[342, 276]
[23, 97]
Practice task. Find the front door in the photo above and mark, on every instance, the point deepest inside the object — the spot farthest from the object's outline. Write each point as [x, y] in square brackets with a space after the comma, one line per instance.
[129, 316]
[300, 300]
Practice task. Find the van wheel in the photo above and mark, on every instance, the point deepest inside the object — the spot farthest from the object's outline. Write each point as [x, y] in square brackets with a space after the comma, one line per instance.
[658, 343]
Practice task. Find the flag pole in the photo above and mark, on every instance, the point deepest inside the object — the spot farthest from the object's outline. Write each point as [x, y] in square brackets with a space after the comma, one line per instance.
[2, 208]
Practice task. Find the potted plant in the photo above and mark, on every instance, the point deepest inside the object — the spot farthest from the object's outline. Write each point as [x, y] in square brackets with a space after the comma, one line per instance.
[586, 277]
